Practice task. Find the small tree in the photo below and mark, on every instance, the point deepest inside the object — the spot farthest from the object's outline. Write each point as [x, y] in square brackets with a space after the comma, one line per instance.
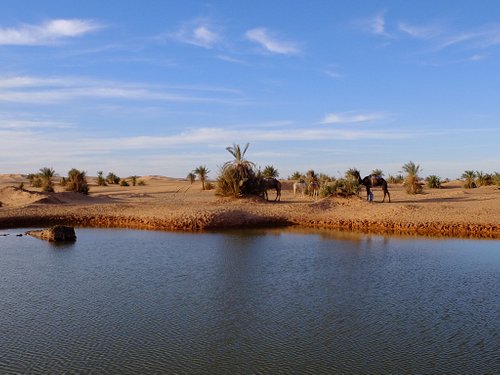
[433, 182]
[112, 178]
[237, 177]
[77, 181]
[469, 177]
[46, 175]
[270, 172]
[495, 178]
[191, 177]
[411, 182]
[101, 181]
[378, 172]
[202, 172]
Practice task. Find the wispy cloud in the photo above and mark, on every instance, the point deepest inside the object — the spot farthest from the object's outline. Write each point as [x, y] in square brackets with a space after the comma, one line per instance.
[39, 90]
[349, 118]
[271, 43]
[442, 37]
[49, 32]
[375, 24]
[200, 32]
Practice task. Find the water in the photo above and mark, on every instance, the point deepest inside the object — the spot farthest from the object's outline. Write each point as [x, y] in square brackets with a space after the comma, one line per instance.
[123, 301]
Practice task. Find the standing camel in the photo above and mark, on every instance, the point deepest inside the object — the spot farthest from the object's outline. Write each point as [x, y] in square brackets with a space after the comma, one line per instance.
[270, 183]
[370, 182]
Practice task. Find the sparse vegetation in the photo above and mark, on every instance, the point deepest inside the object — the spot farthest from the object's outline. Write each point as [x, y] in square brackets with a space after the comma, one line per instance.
[398, 179]
[77, 181]
[433, 182]
[112, 179]
[101, 181]
[412, 180]
[378, 172]
[124, 182]
[495, 178]
[133, 179]
[141, 183]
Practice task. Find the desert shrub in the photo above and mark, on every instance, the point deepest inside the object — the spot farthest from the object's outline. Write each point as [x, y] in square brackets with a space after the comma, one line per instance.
[495, 178]
[237, 177]
[483, 179]
[469, 179]
[395, 179]
[341, 187]
[101, 181]
[324, 179]
[378, 172]
[209, 186]
[134, 180]
[141, 183]
[21, 186]
[36, 181]
[433, 182]
[124, 183]
[63, 181]
[77, 181]
[412, 180]
[111, 178]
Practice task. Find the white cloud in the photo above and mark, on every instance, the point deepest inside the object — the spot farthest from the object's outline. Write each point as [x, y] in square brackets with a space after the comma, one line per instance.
[49, 32]
[422, 32]
[378, 24]
[270, 43]
[343, 118]
[199, 32]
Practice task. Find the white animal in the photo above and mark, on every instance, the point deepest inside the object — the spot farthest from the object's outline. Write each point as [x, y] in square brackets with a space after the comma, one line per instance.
[299, 186]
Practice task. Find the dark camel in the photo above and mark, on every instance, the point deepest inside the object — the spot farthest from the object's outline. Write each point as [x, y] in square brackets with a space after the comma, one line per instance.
[268, 184]
[372, 181]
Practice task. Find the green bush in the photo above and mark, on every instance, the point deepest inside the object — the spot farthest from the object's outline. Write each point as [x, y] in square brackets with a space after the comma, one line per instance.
[469, 179]
[77, 181]
[341, 187]
[433, 182]
[124, 183]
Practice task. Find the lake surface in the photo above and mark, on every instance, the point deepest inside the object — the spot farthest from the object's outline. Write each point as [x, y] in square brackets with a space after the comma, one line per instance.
[259, 301]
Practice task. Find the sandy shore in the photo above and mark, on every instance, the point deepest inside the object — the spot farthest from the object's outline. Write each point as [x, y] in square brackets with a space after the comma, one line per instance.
[172, 204]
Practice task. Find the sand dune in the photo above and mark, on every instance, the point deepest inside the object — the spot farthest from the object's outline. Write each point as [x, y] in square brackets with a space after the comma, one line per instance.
[174, 204]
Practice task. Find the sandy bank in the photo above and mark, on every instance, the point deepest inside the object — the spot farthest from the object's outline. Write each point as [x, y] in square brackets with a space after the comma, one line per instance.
[170, 204]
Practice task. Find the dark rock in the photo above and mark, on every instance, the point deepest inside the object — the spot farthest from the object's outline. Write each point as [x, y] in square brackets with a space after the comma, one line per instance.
[57, 233]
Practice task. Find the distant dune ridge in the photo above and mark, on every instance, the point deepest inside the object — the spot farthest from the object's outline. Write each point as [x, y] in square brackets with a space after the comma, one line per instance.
[165, 203]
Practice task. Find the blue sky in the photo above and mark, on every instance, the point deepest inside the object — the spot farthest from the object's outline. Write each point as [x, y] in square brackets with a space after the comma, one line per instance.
[160, 87]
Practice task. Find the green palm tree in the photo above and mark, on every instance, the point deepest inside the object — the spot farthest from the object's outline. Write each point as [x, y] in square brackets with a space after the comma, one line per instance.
[296, 176]
[101, 181]
[202, 172]
[243, 167]
[352, 173]
[378, 172]
[47, 174]
[469, 177]
[270, 172]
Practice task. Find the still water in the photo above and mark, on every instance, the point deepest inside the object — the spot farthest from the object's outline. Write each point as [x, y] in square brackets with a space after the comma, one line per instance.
[260, 301]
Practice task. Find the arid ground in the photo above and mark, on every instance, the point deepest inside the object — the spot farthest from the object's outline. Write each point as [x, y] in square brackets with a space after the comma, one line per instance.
[175, 204]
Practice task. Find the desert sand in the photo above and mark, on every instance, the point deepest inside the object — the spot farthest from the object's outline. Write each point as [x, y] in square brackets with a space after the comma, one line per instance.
[175, 204]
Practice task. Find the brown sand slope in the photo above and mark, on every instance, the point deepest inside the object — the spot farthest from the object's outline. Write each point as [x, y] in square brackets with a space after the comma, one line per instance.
[173, 204]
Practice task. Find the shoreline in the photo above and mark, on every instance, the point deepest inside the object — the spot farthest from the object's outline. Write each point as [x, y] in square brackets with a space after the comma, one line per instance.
[225, 220]
[176, 205]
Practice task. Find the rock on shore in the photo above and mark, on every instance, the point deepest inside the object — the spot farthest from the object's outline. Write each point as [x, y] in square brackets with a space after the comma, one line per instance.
[57, 233]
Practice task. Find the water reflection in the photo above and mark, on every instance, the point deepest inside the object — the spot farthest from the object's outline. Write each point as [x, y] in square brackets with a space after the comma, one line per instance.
[289, 301]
